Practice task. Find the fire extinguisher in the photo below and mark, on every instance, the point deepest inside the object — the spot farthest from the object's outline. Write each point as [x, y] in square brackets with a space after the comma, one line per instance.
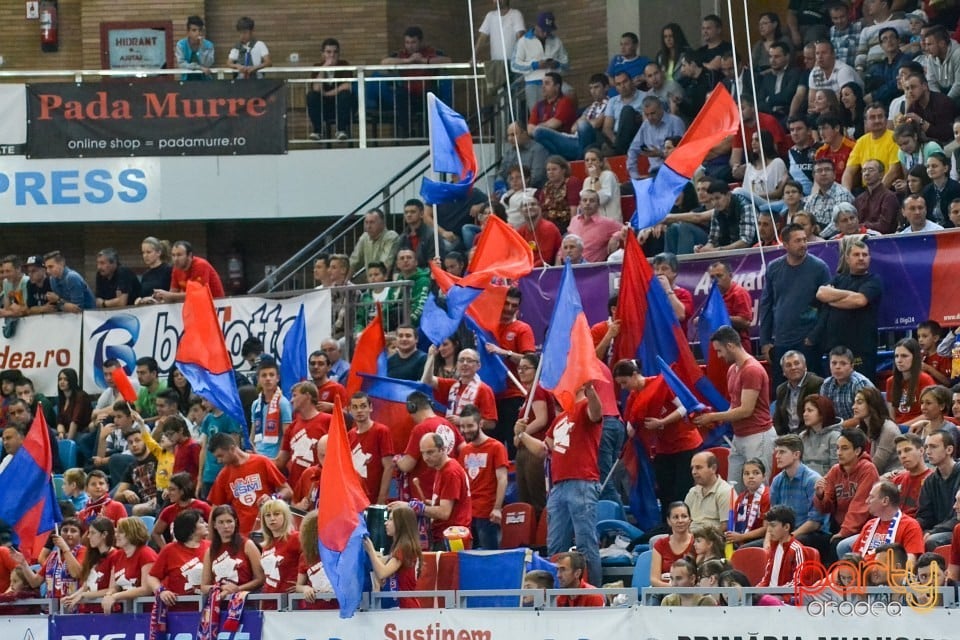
[49, 38]
[235, 277]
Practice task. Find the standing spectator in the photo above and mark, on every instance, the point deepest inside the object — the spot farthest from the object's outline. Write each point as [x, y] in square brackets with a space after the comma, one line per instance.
[148, 375]
[38, 287]
[270, 413]
[179, 566]
[749, 413]
[408, 269]
[116, 285]
[420, 474]
[327, 388]
[216, 421]
[850, 303]
[807, 21]
[156, 255]
[188, 267]
[464, 389]
[450, 503]
[373, 453]
[195, 52]
[531, 487]
[410, 96]
[408, 362]
[249, 55]
[797, 385]
[667, 268]
[232, 561]
[536, 53]
[69, 292]
[672, 43]
[298, 450]
[514, 340]
[788, 310]
[331, 102]
[502, 29]
[485, 461]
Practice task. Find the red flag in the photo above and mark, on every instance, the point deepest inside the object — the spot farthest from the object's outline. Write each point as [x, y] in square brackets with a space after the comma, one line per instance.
[718, 119]
[635, 279]
[123, 385]
[343, 496]
[488, 306]
[501, 252]
[369, 354]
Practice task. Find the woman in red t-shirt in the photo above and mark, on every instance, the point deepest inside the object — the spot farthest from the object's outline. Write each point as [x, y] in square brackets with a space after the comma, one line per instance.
[906, 383]
[669, 549]
[399, 572]
[96, 569]
[281, 548]
[132, 565]
[311, 578]
[530, 486]
[232, 561]
[180, 496]
[179, 566]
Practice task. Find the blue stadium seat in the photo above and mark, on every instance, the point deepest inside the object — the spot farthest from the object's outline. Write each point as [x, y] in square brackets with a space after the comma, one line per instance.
[58, 487]
[68, 453]
[641, 571]
[148, 521]
[610, 510]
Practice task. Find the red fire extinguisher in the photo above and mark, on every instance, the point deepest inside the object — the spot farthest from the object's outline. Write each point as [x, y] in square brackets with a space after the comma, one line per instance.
[49, 39]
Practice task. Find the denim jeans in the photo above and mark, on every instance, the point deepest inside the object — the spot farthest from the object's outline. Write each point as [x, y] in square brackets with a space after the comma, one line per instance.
[572, 520]
[611, 444]
[564, 144]
[469, 234]
[759, 445]
[682, 237]
[486, 534]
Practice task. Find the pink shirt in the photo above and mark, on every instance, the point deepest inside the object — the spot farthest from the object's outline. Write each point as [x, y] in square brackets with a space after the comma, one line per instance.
[595, 233]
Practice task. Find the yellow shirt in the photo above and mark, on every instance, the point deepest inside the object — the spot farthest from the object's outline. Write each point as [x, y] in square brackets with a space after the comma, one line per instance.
[883, 149]
[164, 460]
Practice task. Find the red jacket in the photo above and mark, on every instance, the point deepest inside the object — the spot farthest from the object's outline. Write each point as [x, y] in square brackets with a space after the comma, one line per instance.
[792, 560]
[845, 497]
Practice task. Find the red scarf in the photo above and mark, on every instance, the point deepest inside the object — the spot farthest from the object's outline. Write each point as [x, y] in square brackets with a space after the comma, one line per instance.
[271, 424]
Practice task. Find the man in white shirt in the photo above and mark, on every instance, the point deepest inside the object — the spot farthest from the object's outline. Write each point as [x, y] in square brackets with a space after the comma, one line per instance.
[829, 73]
[249, 55]
[915, 213]
[501, 29]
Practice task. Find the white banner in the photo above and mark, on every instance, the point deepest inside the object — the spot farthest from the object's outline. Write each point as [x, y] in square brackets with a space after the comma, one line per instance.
[13, 123]
[41, 346]
[25, 627]
[641, 623]
[155, 330]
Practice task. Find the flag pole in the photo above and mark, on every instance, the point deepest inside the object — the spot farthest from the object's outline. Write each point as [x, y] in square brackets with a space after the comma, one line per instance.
[533, 389]
[431, 98]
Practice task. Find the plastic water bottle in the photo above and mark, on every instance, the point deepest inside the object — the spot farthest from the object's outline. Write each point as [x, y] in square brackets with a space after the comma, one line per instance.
[955, 355]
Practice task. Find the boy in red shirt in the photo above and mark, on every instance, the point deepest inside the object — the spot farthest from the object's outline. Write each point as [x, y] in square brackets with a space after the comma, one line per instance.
[785, 555]
[101, 505]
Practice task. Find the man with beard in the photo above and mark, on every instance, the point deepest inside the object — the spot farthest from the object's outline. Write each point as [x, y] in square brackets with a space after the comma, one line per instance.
[485, 461]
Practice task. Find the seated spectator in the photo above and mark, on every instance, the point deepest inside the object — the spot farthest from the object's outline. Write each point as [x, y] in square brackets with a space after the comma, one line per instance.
[537, 53]
[880, 78]
[696, 81]
[735, 77]
[195, 52]
[570, 142]
[836, 145]
[764, 175]
[709, 498]
[376, 244]
[935, 512]
[829, 72]
[714, 46]
[941, 191]
[802, 154]
[820, 433]
[914, 211]
[852, 108]
[513, 198]
[604, 181]
[571, 574]
[216, 421]
[843, 383]
[826, 102]
[180, 496]
[931, 571]
[932, 111]
[331, 102]
[708, 573]
[116, 285]
[69, 292]
[662, 84]
[232, 561]
[915, 471]
[178, 570]
[934, 406]
[738, 579]
[600, 235]
[156, 255]
[543, 235]
[877, 206]
[751, 506]
[915, 148]
[417, 234]
[671, 549]
[826, 194]
[188, 267]
[651, 138]
[842, 493]
[888, 525]
[906, 383]
[876, 144]
[929, 335]
[846, 222]
[781, 90]
[249, 55]
[35, 401]
[844, 32]
[554, 111]
[522, 150]
[408, 362]
[786, 554]
[942, 61]
[376, 273]
[138, 489]
[871, 413]
[629, 59]
[560, 195]
[752, 122]
[732, 224]
[622, 116]
[410, 96]
[683, 573]
[799, 382]
[685, 231]
[74, 482]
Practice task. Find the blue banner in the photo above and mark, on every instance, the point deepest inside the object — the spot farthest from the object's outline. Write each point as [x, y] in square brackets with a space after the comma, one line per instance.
[181, 625]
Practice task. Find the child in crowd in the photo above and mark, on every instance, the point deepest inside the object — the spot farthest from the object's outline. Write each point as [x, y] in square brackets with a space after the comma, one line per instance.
[399, 572]
[74, 481]
[751, 505]
[929, 335]
[785, 555]
[536, 579]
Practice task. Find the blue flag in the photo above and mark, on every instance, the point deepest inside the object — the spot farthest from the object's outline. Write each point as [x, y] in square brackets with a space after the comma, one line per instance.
[493, 371]
[293, 365]
[684, 395]
[451, 151]
[656, 196]
[713, 315]
[439, 324]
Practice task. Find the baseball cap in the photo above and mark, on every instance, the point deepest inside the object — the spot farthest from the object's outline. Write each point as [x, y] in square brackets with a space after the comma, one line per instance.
[546, 21]
[34, 261]
[918, 15]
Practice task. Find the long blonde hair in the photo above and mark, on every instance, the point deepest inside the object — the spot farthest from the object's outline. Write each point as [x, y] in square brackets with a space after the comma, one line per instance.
[275, 506]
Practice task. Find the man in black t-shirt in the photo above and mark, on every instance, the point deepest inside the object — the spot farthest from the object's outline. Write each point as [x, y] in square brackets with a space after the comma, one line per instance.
[37, 288]
[138, 489]
[714, 46]
[116, 285]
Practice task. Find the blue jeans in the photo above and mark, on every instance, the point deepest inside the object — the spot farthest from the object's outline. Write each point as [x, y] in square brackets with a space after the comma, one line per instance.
[682, 237]
[572, 520]
[611, 444]
[486, 534]
[469, 233]
[568, 145]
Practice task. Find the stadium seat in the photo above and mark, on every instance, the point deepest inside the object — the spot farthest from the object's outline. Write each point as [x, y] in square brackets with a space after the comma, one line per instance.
[578, 169]
[943, 550]
[751, 561]
[427, 580]
[610, 510]
[148, 522]
[611, 528]
[723, 461]
[641, 572]
[540, 540]
[811, 555]
[628, 205]
[58, 487]
[519, 526]
[68, 453]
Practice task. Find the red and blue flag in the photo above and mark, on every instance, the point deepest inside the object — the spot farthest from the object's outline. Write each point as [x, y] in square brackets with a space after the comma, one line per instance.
[451, 151]
[341, 526]
[293, 365]
[438, 323]
[389, 396]
[713, 315]
[369, 354]
[569, 357]
[718, 119]
[202, 356]
[28, 501]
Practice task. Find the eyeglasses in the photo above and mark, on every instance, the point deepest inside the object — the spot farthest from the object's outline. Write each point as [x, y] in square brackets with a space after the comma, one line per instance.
[468, 360]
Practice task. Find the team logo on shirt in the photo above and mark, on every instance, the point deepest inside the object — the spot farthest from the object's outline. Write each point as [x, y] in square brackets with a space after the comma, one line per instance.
[448, 436]
[245, 489]
[360, 460]
[271, 566]
[225, 568]
[561, 435]
[302, 446]
[473, 463]
[192, 571]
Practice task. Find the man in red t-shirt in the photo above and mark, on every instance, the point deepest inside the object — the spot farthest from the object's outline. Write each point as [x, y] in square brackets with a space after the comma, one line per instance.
[570, 568]
[542, 234]
[186, 455]
[749, 388]
[485, 461]
[246, 481]
[466, 389]
[327, 388]
[420, 475]
[574, 443]
[915, 471]
[514, 339]
[297, 450]
[188, 267]
[889, 524]
[736, 299]
[449, 504]
[555, 111]
[373, 452]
